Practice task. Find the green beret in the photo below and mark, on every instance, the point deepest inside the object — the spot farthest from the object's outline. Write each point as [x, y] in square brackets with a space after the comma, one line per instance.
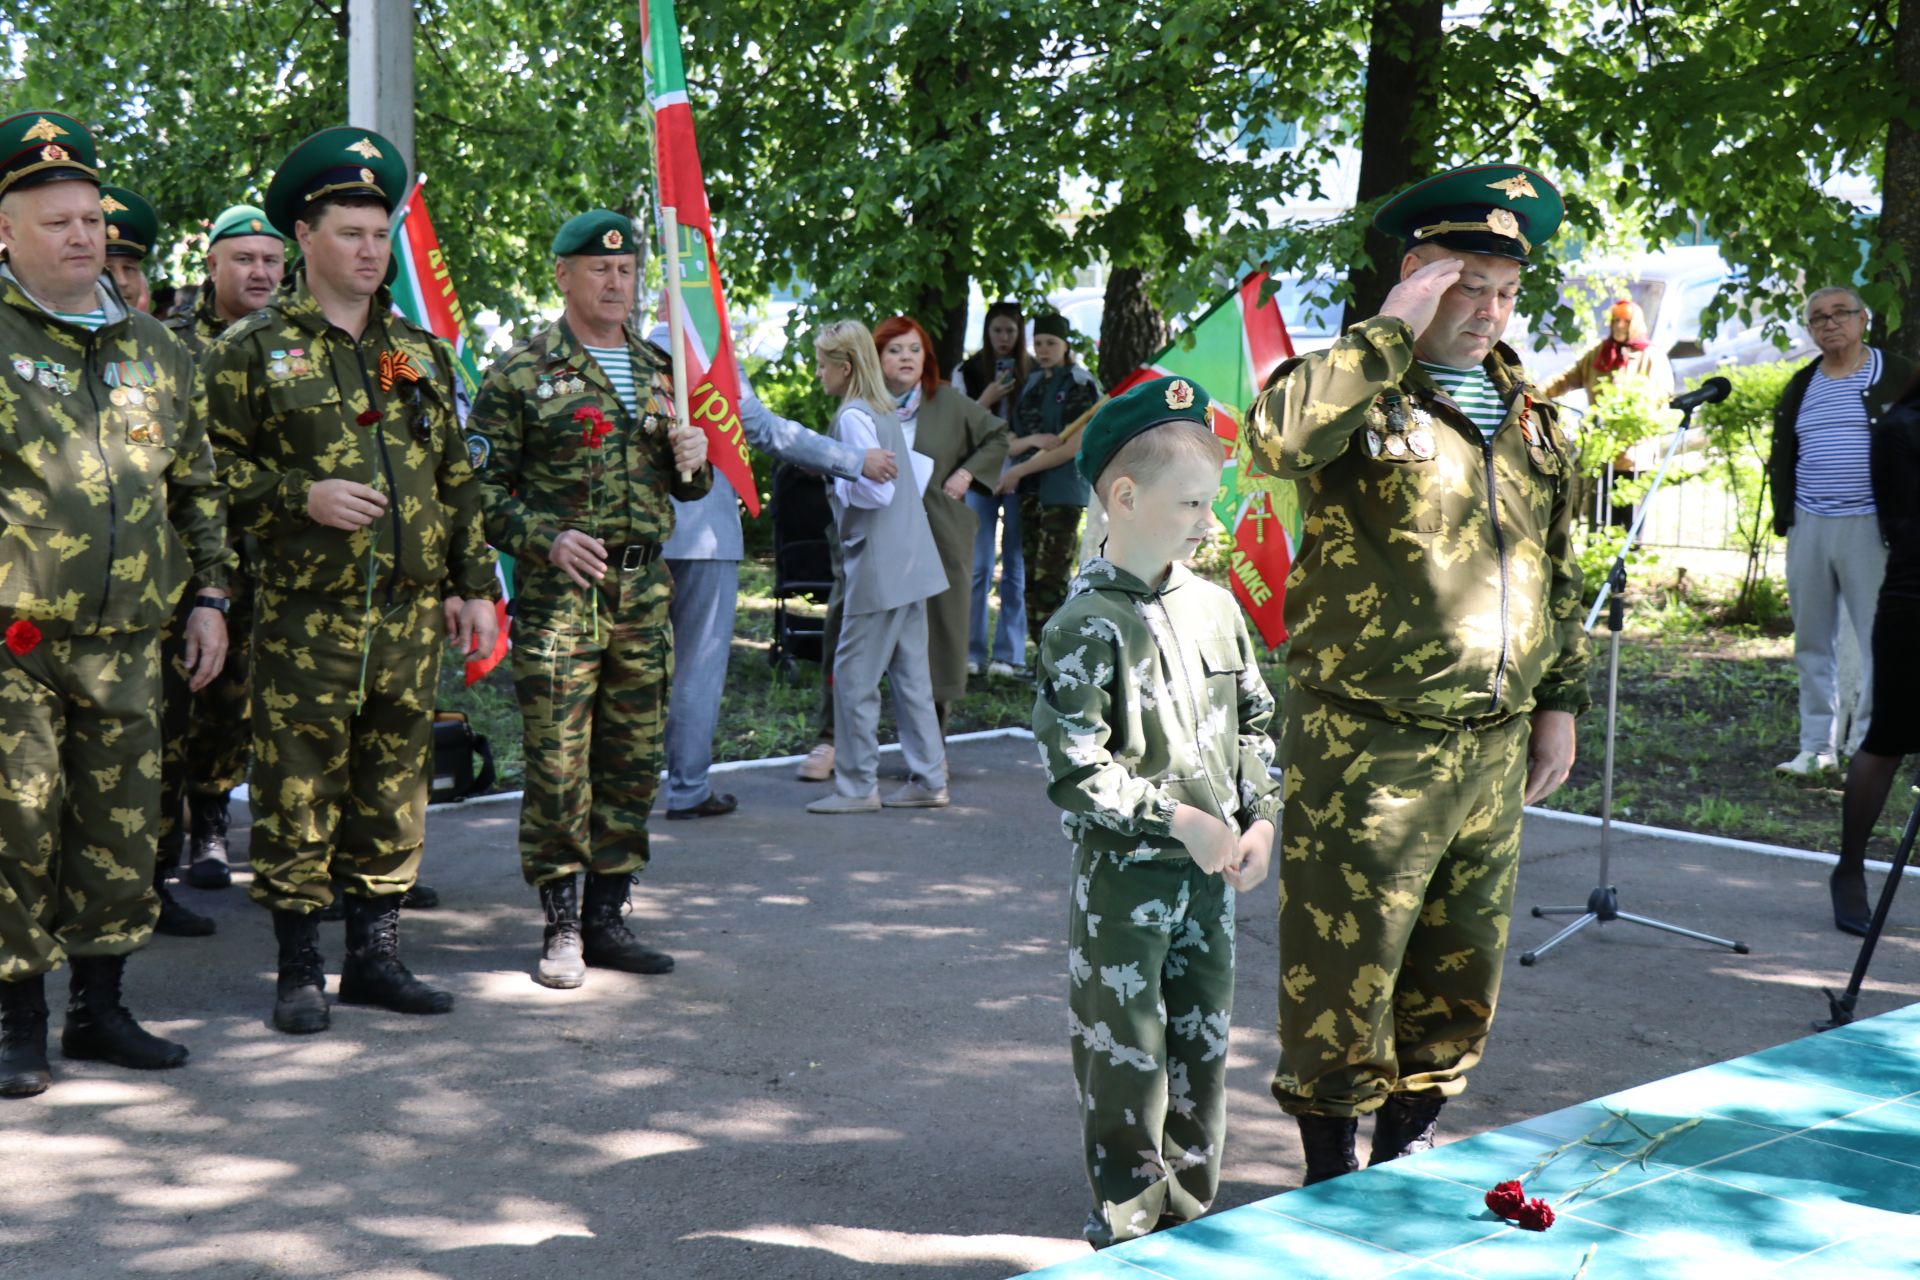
[132, 224]
[1052, 326]
[341, 161]
[599, 233]
[44, 146]
[1503, 210]
[1148, 405]
[242, 220]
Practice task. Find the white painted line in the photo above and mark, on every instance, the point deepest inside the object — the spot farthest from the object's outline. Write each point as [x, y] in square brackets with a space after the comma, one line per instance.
[1718, 842]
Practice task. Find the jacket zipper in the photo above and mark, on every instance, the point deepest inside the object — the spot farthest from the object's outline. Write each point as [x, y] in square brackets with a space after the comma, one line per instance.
[1178, 664]
[1500, 553]
[386, 465]
[106, 467]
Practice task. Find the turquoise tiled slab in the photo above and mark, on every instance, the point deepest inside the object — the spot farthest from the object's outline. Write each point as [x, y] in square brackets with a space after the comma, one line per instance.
[1557, 1253]
[1690, 1214]
[1247, 1244]
[1821, 1176]
[1868, 1258]
[1890, 1131]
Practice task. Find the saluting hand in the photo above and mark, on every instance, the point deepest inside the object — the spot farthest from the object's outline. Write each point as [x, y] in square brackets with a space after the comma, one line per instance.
[579, 557]
[689, 449]
[1416, 298]
[345, 504]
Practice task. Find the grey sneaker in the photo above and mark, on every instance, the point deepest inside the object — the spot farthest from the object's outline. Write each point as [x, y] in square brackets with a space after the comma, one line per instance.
[837, 803]
[917, 795]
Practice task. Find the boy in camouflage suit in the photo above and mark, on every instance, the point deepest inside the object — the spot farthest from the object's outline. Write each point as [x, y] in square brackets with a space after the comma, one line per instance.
[1151, 718]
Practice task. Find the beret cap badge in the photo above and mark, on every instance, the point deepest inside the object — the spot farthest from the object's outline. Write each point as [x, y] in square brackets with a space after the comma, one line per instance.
[254, 224]
[1180, 394]
[612, 240]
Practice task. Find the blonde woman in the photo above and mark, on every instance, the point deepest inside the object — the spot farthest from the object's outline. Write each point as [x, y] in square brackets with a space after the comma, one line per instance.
[889, 568]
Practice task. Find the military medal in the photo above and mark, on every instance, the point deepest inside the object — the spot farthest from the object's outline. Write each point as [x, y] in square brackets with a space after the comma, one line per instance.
[277, 363]
[136, 397]
[544, 390]
[118, 397]
[1420, 441]
[1397, 446]
[1373, 444]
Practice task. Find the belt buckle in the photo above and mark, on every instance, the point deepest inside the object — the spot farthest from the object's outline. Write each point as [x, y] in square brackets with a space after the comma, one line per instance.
[633, 556]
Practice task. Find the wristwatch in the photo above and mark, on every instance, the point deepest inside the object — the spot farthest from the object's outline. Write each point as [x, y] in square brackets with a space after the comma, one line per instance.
[213, 602]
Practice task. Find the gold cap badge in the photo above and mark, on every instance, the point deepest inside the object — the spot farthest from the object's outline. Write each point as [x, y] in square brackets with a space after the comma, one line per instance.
[366, 176]
[1516, 187]
[254, 224]
[366, 149]
[44, 130]
[612, 240]
[109, 205]
[1180, 394]
[113, 232]
[53, 151]
[1502, 223]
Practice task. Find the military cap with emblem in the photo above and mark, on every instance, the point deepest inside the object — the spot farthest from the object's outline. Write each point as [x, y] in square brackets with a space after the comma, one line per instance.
[596, 233]
[341, 162]
[1503, 210]
[1142, 408]
[241, 220]
[45, 146]
[132, 223]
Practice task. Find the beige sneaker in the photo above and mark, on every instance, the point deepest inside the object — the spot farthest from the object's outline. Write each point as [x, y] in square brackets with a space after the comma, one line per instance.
[837, 803]
[917, 796]
[818, 766]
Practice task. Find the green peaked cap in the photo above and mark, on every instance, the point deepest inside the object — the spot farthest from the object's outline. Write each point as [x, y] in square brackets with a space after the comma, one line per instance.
[132, 224]
[341, 161]
[45, 146]
[1141, 408]
[1505, 210]
[597, 233]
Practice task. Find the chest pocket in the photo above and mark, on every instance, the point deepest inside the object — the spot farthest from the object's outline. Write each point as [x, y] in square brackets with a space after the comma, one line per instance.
[1223, 664]
[302, 396]
[1400, 492]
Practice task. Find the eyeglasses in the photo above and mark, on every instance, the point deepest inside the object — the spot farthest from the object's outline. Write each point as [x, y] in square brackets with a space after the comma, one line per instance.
[1832, 317]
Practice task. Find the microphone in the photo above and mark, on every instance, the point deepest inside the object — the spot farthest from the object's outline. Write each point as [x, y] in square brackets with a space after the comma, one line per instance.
[1712, 391]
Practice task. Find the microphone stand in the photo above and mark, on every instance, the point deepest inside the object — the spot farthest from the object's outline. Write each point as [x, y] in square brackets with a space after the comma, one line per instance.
[1840, 1007]
[1603, 904]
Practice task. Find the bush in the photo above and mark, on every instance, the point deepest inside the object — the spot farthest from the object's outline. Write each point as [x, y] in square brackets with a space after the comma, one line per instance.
[1739, 432]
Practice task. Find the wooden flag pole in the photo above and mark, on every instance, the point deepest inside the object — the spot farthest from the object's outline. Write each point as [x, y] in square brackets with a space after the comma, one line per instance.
[676, 324]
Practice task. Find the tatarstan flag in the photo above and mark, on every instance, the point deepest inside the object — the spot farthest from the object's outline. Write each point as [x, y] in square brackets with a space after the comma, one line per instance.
[1231, 351]
[713, 398]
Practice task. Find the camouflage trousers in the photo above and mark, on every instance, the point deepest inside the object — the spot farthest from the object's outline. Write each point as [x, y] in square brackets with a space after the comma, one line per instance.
[79, 795]
[206, 735]
[593, 705]
[1150, 999]
[1399, 847]
[1050, 544]
[339, 784]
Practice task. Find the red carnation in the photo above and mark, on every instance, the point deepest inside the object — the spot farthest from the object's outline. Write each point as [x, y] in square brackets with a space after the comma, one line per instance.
[368, 417]
[597, 426]
[1507, 1200]
[1535, 1215]
[22, 636]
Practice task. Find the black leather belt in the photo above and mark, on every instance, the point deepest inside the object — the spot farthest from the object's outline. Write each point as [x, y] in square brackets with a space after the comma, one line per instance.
[632, 556]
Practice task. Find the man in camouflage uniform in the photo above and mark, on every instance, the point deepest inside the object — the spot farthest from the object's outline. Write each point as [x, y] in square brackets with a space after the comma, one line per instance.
[133, 228]
[572, 436]
[1436, 667]
[109, 512]
[333, 422]
[206, 735]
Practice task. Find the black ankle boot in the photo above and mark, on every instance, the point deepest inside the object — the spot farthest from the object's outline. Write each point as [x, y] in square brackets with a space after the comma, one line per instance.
[372, 972]
[99, 1028]
[175, 920]
[562, 962]
[300, 993]
[23, 1037]
[1404, 1126]
[1328, 1144]
[207, 842]
[607, 942]
[1848, 888]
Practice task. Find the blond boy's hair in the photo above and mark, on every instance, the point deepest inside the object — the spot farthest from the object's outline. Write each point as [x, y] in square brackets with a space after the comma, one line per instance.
[1144, 457]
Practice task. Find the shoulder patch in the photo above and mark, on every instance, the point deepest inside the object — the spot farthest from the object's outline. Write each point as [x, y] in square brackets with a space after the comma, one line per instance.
[478, 451]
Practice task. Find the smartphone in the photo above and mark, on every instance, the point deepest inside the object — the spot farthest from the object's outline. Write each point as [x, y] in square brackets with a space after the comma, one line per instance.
[1003, 370]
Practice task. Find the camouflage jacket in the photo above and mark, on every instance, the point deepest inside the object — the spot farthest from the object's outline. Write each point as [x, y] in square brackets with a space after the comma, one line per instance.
[201, 327]
[1149, 698]
[540, 475]
[286, 392]
[1414, 596]
[108, 506]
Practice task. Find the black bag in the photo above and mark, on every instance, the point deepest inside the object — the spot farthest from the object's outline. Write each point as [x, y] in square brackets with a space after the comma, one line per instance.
[455, 745]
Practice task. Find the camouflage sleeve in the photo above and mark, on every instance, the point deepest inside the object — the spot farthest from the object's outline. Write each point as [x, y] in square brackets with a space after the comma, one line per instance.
[196, 504]
[988, 436]
[1259, 792]
[1563, 686]
[470, 563]
[1070, 722]
[497, 418]
[261, 499]
[1306, 416]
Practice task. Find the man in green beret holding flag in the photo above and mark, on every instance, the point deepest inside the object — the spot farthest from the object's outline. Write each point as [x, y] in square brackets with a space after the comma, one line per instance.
[574, 438]
[111, 512]
[334, 425]
[1436, 666]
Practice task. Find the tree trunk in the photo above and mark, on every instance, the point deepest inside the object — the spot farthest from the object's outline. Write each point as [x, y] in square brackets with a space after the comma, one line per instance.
[940, 304]
[1132, 330]
[1900, 185]
[1395, 145]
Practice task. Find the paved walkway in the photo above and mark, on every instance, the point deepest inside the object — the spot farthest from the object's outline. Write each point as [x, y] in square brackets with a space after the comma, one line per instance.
[860, 1068]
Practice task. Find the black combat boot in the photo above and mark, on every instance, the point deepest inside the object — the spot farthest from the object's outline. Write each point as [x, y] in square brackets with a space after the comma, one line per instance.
[608, 943]
[23, 1037]
[420, 898]
[1404, 1126]
[207, 842]
[1328, 1144]
[372, 973]
[175, 920]
[300, 994]
[99, 1028]
[561, 963]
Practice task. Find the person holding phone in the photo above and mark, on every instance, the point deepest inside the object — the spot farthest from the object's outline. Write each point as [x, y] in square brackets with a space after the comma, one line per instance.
[991, 375]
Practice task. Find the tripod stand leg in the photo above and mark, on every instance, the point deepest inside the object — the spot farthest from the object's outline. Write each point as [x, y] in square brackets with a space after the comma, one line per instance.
[1738, 948]
[1840, 1007]
[1528, 957]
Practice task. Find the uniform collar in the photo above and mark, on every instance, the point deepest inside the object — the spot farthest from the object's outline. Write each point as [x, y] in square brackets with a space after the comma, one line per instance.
[16, 295]
[1102, 574]
[560, 349]
[297, 303]
[1503, 369]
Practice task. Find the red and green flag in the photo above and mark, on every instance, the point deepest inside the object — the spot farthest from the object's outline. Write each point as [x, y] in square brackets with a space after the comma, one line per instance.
[713, 379]
[1231, 351]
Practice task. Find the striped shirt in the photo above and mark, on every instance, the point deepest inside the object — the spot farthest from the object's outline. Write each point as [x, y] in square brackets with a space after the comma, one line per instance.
[1473, 391]
[1831, 476]
[93, 319]
[617, 364]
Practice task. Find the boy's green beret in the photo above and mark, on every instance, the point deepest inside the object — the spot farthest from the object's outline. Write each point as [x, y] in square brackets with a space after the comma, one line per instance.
[132, 224]
[599, 233]
[1052, 326]
[1142, 408]
[242, 220]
